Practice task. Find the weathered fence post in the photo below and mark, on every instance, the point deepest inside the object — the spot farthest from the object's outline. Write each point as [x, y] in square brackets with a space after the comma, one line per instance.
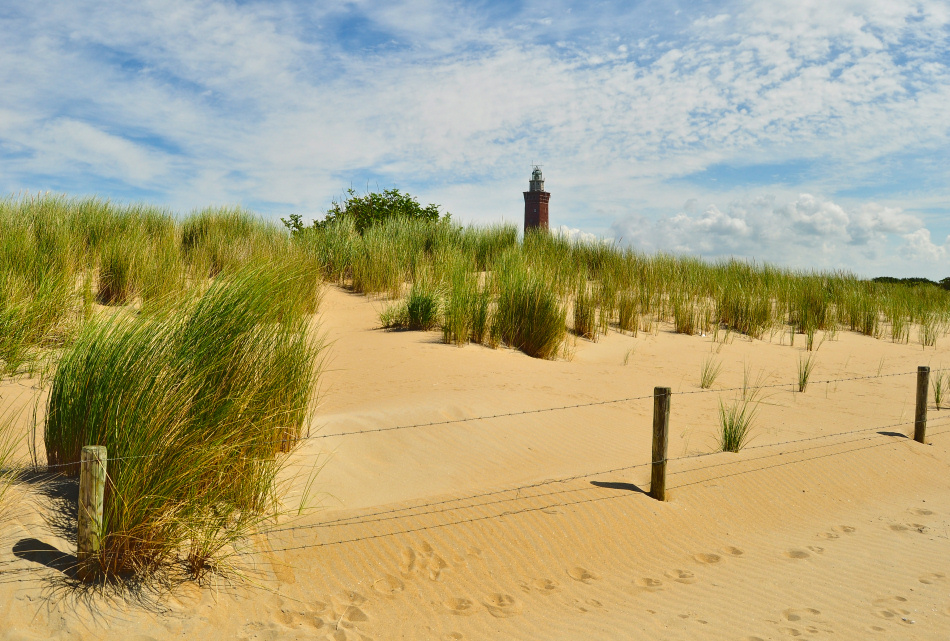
[661, 428]
[92, 486]
[920, 418]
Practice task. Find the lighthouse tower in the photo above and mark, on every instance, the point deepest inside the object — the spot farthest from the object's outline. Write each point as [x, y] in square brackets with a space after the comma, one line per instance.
[536, 202]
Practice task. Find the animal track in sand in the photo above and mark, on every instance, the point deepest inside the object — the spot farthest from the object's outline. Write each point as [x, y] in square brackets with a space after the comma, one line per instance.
[545, 586]
[892, 609]
[876, 628]
[920, 511]
[582, 574]
[731, 550]
[829, 536]
[792, 632]
[797, 614]
[707, 558]
[654, 585]
[460, 606]
[388, 585]
[844, 529]
[427, 560]
[681, 576]
[816, 549]
[502, 605]
[932, 577]
[797, 554]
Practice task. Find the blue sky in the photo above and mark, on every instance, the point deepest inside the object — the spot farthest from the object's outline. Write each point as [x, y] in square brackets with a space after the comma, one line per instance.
[812, 134]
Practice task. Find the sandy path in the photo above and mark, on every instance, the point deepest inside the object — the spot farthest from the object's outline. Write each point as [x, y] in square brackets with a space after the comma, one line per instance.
[476, 530]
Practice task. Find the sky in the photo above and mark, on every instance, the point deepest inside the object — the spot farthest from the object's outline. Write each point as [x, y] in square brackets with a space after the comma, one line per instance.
[811, 134]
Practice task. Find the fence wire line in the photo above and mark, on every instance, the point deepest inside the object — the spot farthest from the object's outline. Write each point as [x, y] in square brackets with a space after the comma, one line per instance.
[508, 414]
[561, 504]
[390, 514]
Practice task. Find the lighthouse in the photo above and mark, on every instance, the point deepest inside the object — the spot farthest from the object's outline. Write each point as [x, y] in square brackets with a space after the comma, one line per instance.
[536, 202]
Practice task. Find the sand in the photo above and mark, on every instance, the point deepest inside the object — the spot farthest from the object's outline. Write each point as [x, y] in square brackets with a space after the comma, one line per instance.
[537, 525]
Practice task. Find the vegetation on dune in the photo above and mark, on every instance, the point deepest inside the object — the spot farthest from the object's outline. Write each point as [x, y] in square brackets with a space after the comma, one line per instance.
[183, 345]
[193, 405]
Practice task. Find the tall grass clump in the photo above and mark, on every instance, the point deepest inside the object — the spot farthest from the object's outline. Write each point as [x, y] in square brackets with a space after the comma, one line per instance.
[805, 366]
[940, 383]
[118, 261]
[461, 303]
[709, 372]
[585, 313]
[193, 405]
[736, 422]
[627, 317]
[528, 315]
[223, 240]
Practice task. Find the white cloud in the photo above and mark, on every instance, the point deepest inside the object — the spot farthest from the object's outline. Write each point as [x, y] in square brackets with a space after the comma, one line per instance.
[918, 246]
[809, 232]
[204, 101]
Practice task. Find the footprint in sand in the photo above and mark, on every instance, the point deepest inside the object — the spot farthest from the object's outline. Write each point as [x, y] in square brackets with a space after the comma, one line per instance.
[893, 609]
[545, 586]
[816, 549]
[792, 632]
[798, 614]
[388, 585]
[502, 605]
[752, 639]
[707, 558]
[681, 576]
[920, 511]
[844, 529]
[582, 574]
[453, 636]
[876, 628]
[932, 577]
[829, 536]
[436, 565]
[653, 585]
[408, 565]
[732, 551]
[460, 606]
[797, 554]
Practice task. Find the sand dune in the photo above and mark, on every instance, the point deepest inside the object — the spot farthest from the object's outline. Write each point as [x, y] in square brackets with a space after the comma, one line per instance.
[536, 525]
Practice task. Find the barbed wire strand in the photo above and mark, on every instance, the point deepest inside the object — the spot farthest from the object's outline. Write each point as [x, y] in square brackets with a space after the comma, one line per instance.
[506, 414]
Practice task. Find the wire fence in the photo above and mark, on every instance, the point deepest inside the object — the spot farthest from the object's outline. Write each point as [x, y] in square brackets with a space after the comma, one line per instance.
[556, 492]
[488, 417]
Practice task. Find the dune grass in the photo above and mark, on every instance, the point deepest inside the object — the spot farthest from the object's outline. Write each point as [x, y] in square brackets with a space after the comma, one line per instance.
[709, 372]
[940, 383]
[194, 405]
[805, 366]
[736, 422]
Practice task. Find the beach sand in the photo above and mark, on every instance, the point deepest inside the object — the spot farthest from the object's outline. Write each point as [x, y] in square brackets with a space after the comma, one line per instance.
[831, 523]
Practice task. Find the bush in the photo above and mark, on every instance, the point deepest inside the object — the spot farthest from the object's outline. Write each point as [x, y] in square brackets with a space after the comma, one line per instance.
[372, 209]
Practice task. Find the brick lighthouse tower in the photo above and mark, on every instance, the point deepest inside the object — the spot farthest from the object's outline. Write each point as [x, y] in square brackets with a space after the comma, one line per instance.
[536, 202]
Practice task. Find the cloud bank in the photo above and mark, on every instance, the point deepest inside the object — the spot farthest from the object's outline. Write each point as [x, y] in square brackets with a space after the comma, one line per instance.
[633, 107]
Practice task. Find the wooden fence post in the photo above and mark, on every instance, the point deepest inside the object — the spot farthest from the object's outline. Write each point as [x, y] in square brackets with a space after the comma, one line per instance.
[661, 428]
[92, 486]
[920, 418]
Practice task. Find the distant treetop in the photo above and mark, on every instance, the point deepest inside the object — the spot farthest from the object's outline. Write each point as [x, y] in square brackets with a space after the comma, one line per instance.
[913, 281]
[371, 209]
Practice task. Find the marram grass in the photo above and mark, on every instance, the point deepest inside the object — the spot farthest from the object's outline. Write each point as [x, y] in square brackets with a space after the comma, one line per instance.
[193, 404]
